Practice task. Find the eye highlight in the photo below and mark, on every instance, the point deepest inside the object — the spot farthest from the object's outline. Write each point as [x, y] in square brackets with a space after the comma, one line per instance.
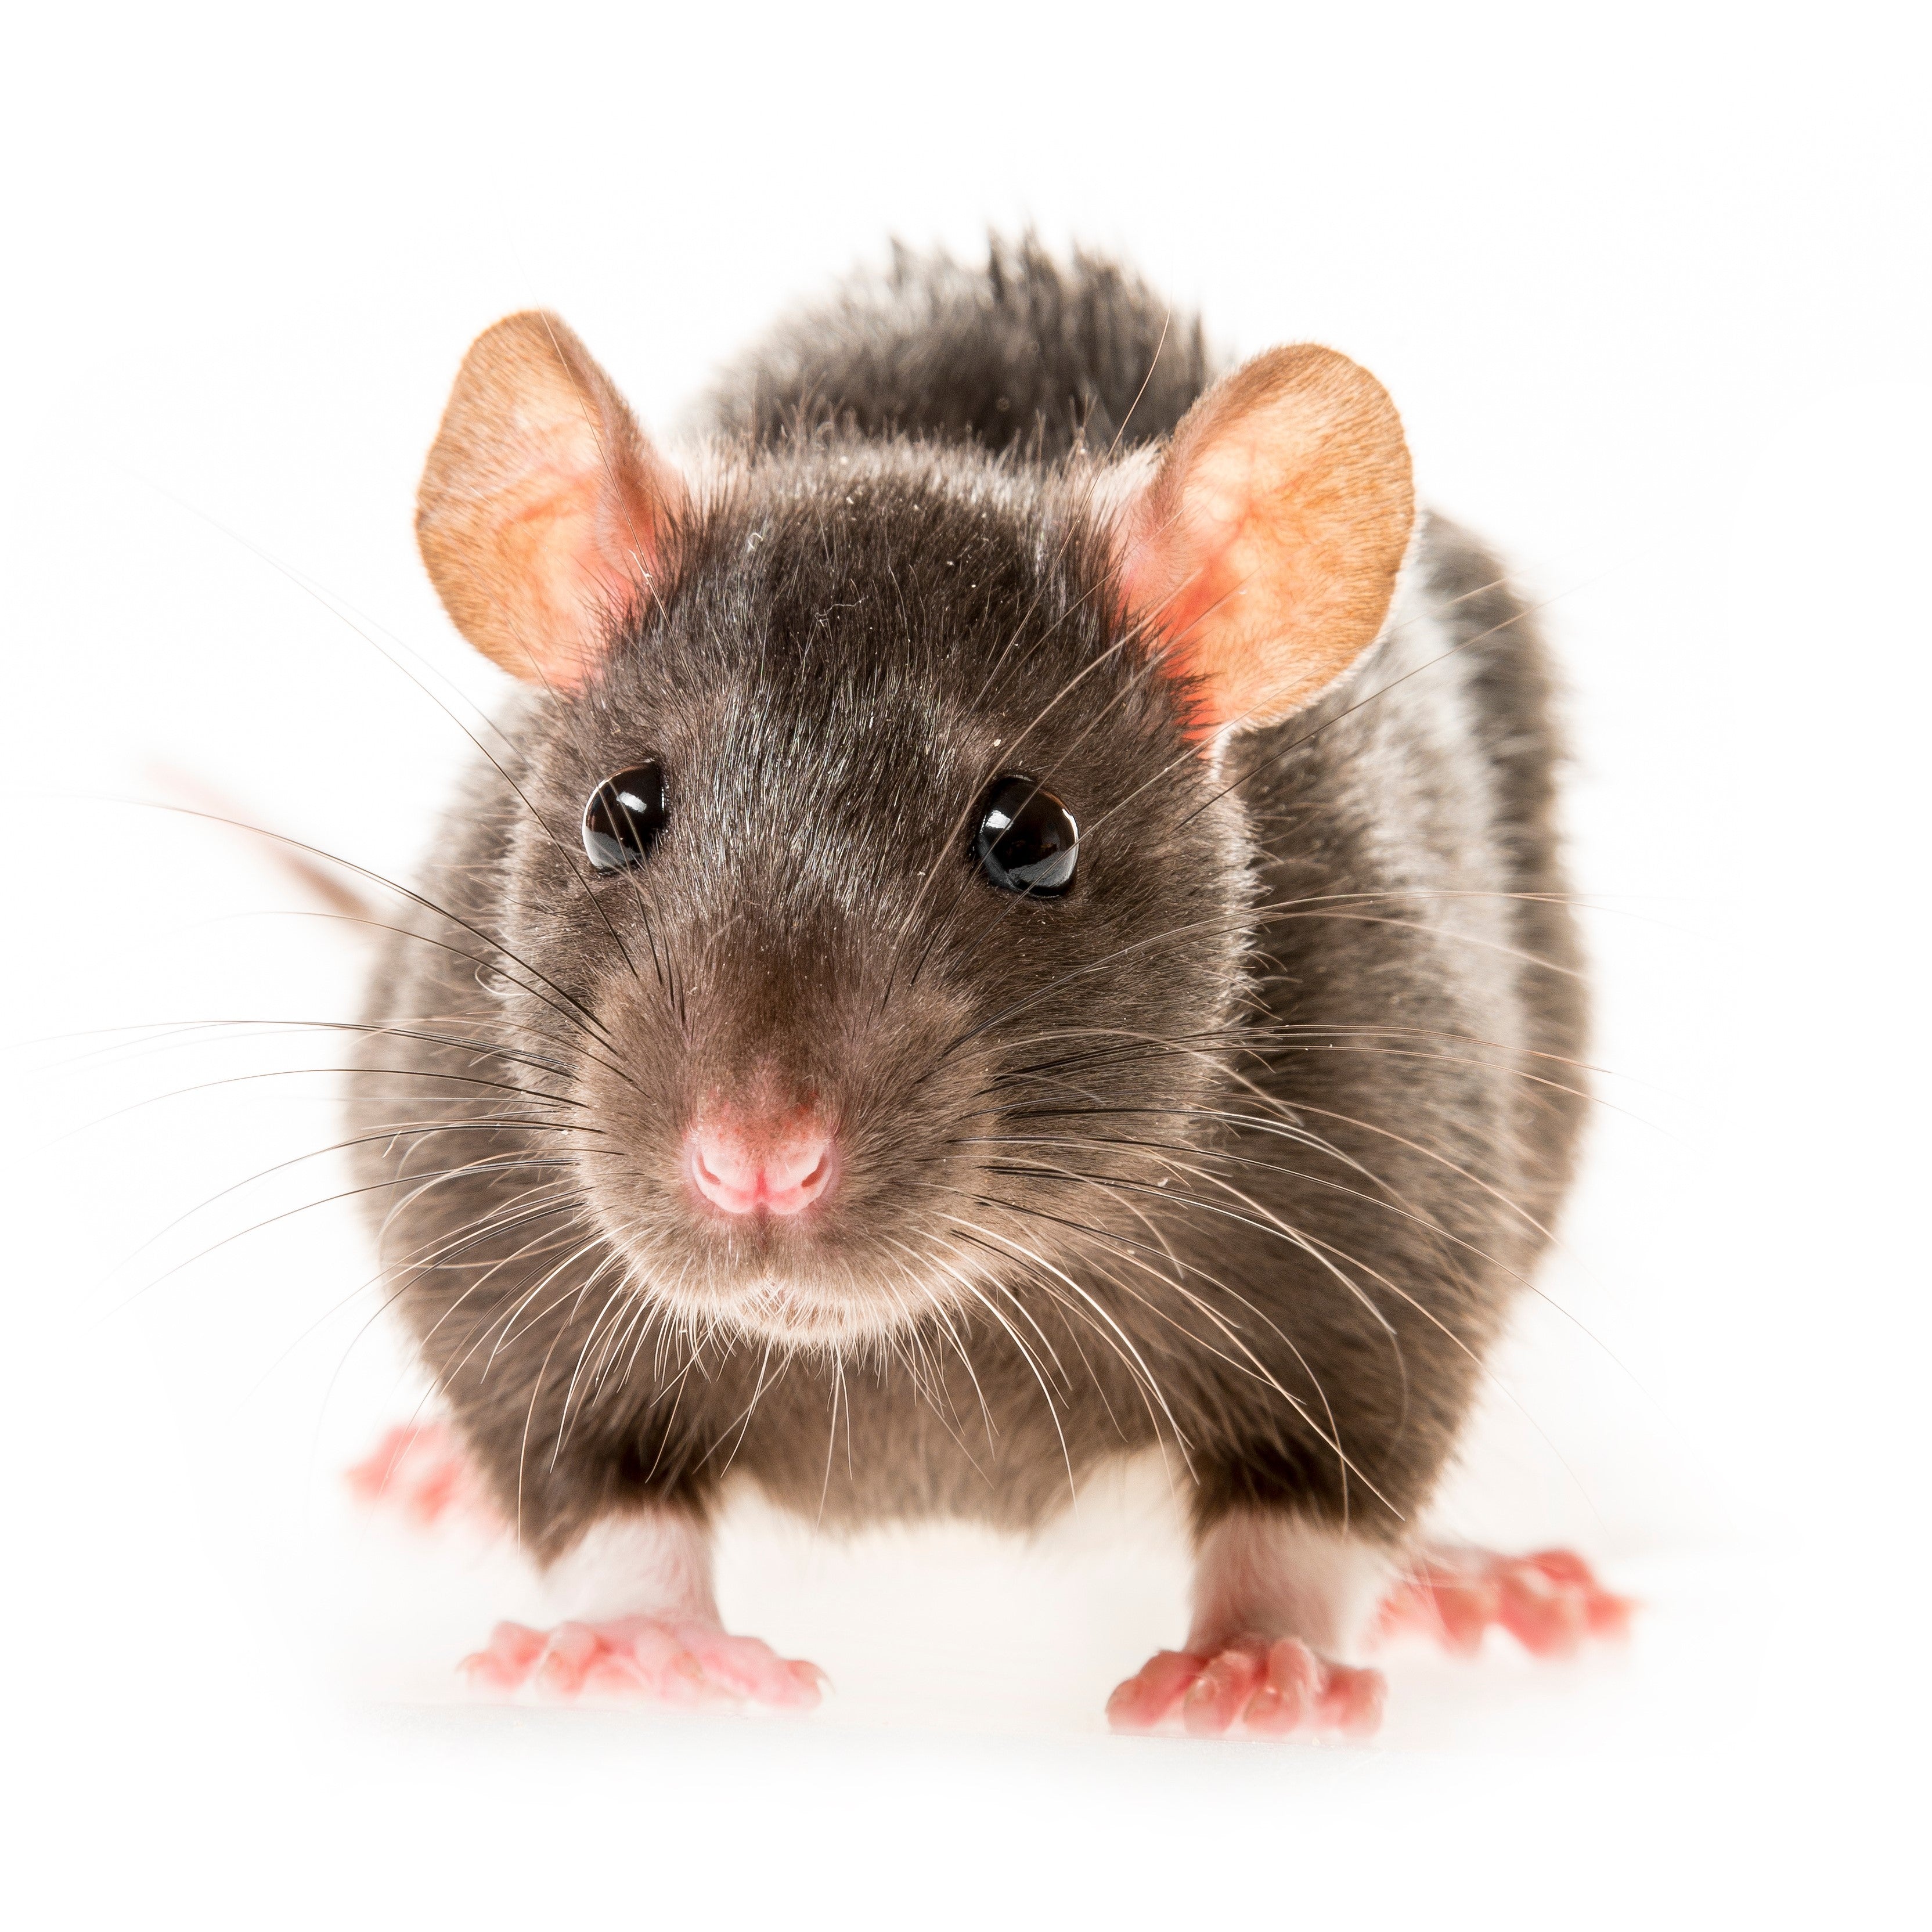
[1027, 841]
[624, 817]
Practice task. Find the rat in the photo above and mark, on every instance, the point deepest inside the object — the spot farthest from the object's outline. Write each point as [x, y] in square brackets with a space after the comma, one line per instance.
[1015, 921]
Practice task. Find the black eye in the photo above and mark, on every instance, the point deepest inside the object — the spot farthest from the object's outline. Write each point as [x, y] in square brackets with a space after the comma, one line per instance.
[1028, 840]
[625, 814]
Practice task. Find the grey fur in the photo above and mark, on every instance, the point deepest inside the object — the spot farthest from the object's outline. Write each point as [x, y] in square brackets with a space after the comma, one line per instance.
[1313, 1079]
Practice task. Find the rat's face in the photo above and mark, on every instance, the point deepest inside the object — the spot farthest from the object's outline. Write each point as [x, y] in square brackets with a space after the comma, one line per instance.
[875, 857]
[894, 866]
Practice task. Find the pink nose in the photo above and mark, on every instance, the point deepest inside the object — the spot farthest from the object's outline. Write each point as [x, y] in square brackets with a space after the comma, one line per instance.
[782, 1172]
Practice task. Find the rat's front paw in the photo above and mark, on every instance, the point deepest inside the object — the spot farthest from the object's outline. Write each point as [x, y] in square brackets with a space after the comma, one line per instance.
[644, 1659]
[419, 1471]
[1258, 1689]
[1550, 1602]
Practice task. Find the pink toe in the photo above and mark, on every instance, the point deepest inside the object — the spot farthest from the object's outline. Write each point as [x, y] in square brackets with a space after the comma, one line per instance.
[685, 1684]
[504, 1661]
[811, 1683]
[1291, 1684]
[1564, 1566]
[370, 1478]
[1547, 1621]
[1602, 1614]
[1147, 1697]
[1609, 1617]
[1352, 1701]
[1465, 1609]
[1269, 1715]
[739, 1664]
[787, 1685]
[433, 1496]
[1294, 1676]
[615, 1673]
[1221, 1693]
[572, 1652]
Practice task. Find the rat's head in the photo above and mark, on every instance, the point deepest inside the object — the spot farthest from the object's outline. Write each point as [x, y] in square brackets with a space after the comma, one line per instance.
[876, 863]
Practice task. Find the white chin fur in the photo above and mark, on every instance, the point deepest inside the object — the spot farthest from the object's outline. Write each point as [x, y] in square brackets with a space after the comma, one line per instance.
[795, 1316]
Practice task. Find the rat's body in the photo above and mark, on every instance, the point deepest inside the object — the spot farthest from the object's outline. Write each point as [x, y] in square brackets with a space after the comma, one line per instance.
[1238, 1147]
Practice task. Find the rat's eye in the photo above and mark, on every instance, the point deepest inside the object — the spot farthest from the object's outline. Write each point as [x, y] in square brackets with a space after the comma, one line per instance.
[625, 814]
[1028, 840]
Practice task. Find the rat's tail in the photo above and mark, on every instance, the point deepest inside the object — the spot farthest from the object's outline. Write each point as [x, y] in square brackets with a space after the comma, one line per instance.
[327, 887]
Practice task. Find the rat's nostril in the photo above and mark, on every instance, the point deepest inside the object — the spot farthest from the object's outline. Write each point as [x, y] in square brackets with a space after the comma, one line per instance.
[801, 1177]
[744, 1173]
[797, 1165]
[719, 1165]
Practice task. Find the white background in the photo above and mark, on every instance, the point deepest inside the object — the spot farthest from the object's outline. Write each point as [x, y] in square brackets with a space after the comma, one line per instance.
[1650, 288]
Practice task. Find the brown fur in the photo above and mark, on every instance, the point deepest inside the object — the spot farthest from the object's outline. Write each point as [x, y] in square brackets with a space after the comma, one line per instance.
[1261, 1125]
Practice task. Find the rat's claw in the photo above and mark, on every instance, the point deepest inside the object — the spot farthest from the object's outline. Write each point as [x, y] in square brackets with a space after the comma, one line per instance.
[1250, 1689]
[1550, 1602]
[644, 1659]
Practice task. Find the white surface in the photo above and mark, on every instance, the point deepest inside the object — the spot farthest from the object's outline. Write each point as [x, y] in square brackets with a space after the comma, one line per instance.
[1650, 289]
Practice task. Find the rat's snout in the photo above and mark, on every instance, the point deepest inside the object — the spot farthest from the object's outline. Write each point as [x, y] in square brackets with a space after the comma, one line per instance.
[743, 1161]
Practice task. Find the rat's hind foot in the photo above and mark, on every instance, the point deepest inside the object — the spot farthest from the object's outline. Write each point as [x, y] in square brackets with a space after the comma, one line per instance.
[419, 1470]
[1254, 1690]
[1550, 1602]
[644, 1659]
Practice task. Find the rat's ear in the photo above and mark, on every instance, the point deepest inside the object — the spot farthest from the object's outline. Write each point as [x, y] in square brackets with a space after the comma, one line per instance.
[1265, 548]
[542, 510]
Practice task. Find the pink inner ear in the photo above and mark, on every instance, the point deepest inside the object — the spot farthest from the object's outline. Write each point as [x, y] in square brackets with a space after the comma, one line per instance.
[1195, 570]
[592, 547]
[1265, 549]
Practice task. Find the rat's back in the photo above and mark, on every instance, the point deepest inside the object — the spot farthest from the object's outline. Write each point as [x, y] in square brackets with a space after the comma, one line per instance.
[1027, 354]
